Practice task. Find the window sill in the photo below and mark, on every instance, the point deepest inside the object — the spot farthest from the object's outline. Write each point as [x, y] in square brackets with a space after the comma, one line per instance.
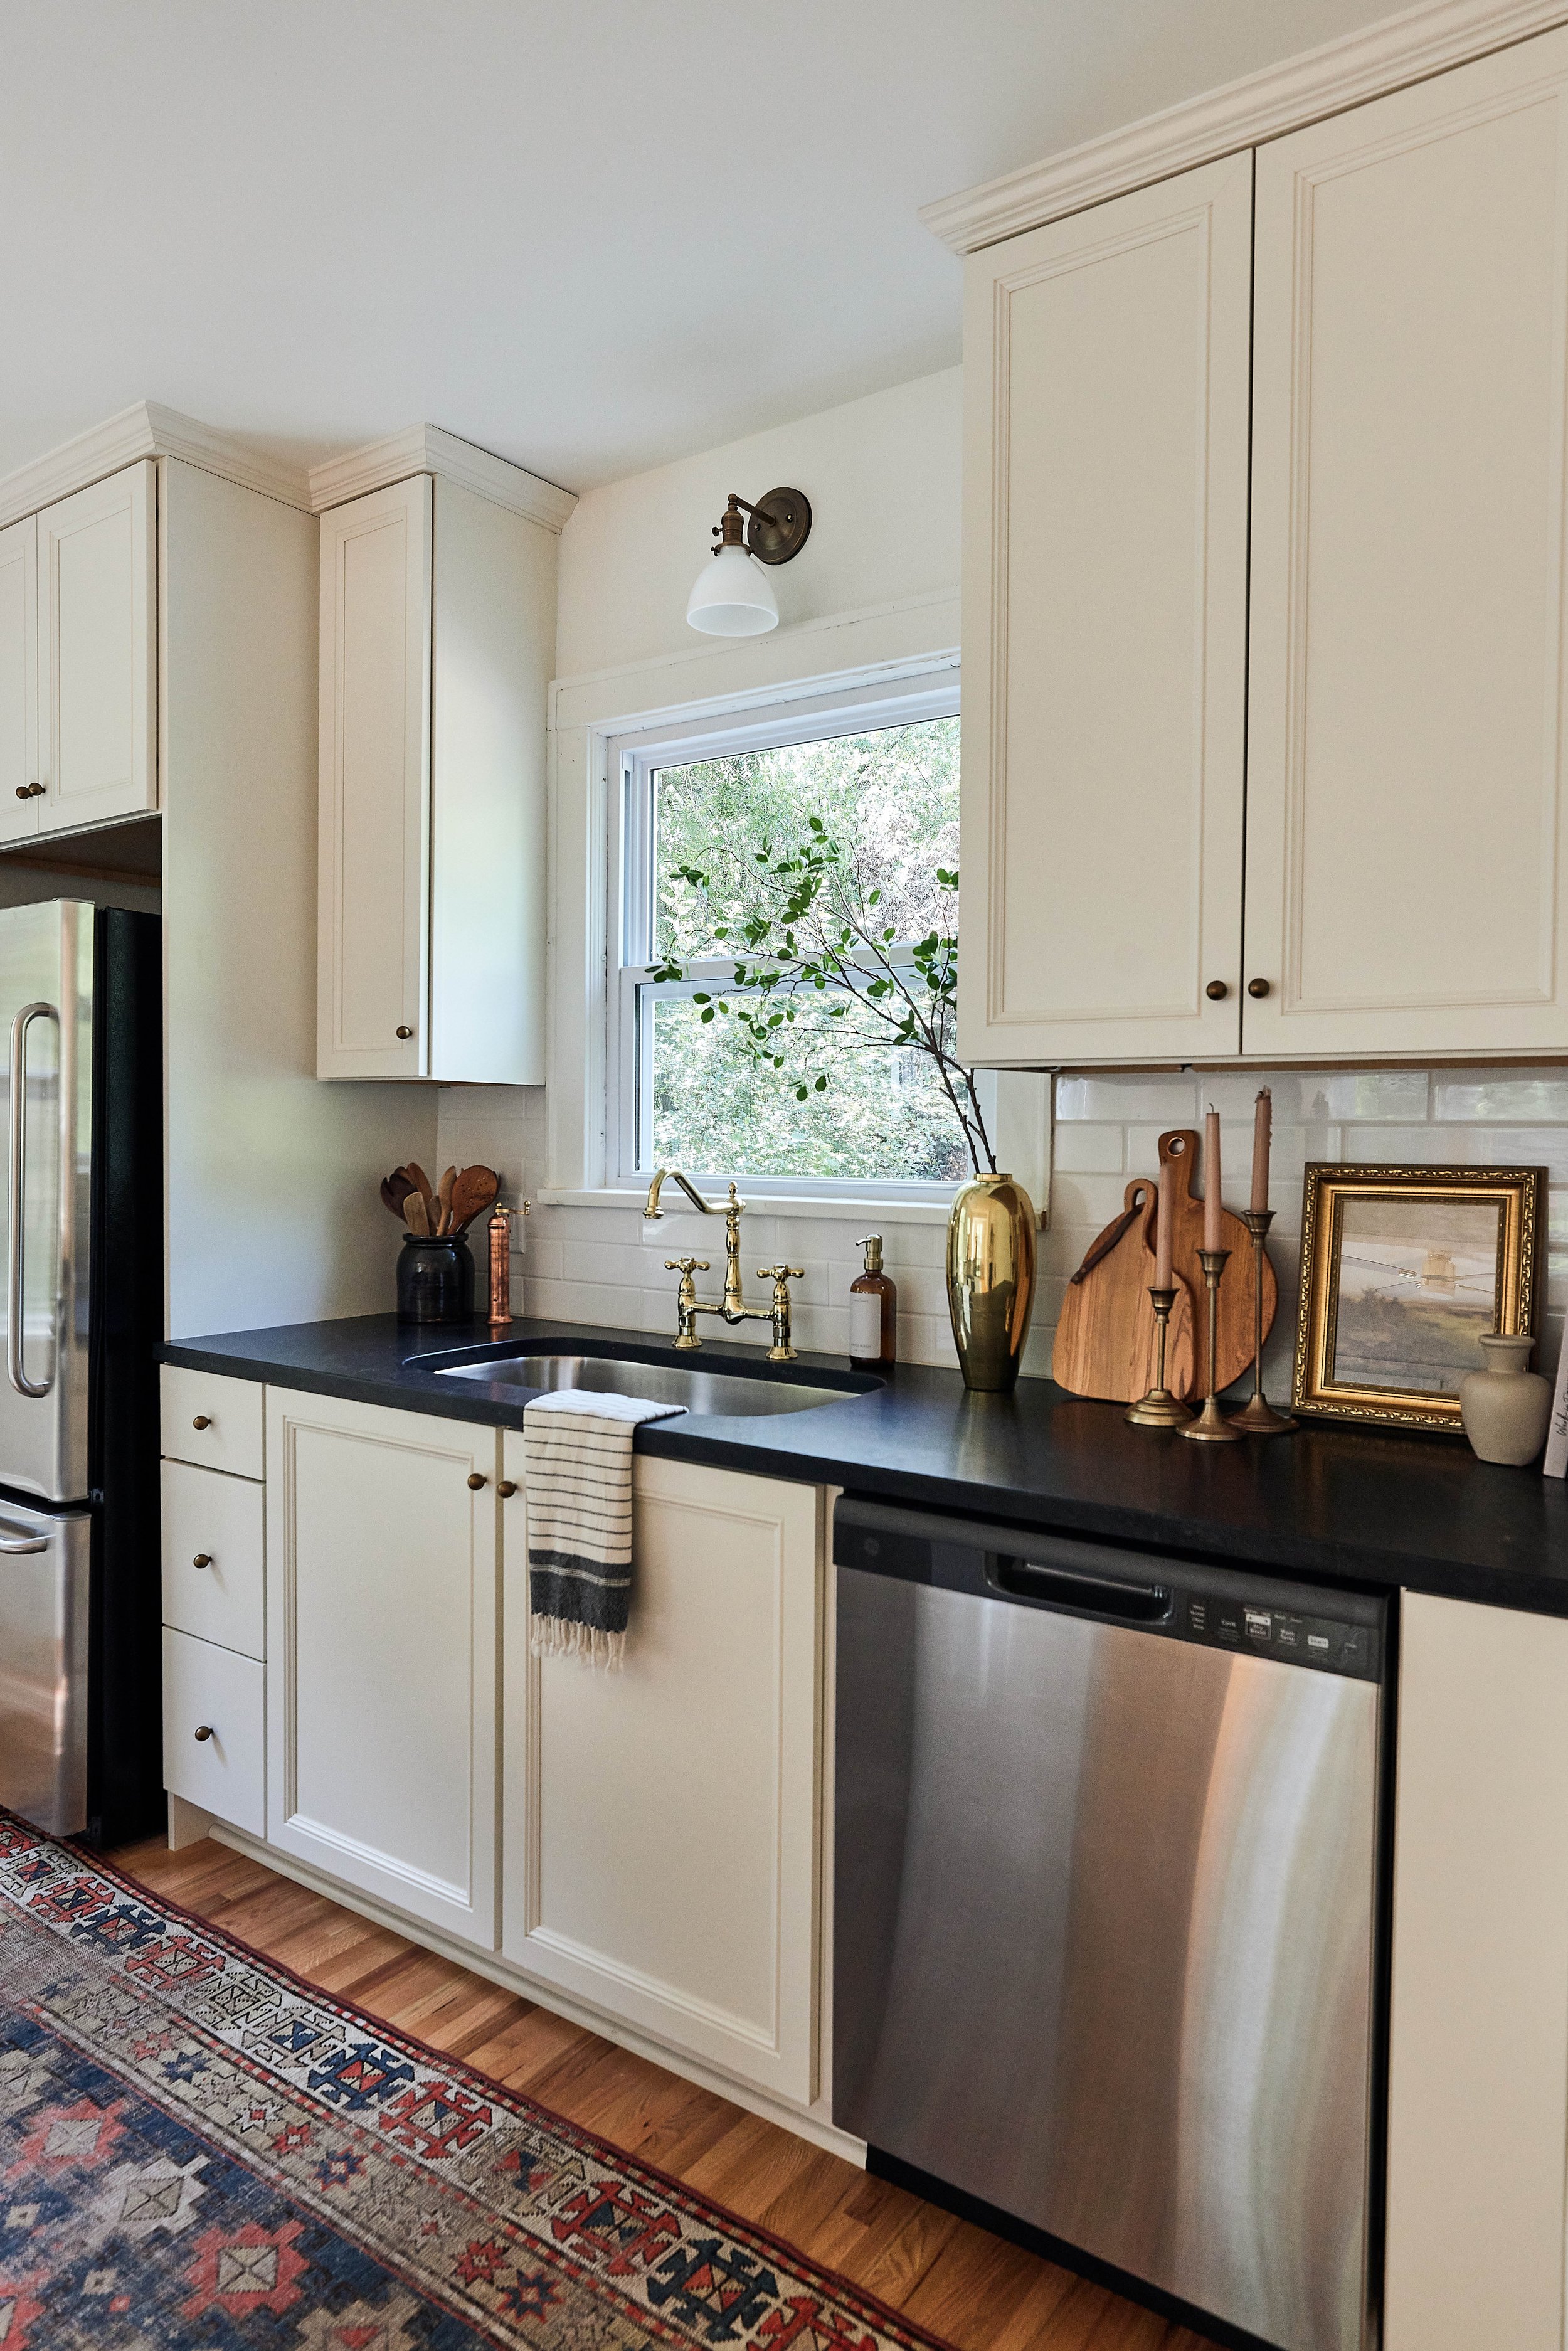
[768, 1204]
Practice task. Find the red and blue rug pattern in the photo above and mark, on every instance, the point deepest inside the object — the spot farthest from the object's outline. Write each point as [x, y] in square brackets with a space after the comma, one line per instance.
[199, 2152]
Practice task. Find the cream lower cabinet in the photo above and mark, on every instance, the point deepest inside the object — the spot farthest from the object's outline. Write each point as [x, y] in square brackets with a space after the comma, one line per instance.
[1478, 2055]
[382, 1615]
[661, 1837]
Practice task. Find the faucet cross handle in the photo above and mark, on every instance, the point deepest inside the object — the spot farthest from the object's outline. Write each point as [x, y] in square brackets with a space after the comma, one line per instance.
[687, 1264]
[780, 1272]
[780, 1276]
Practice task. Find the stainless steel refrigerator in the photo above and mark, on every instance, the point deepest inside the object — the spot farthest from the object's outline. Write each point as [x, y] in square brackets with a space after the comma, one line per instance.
[81, 1257]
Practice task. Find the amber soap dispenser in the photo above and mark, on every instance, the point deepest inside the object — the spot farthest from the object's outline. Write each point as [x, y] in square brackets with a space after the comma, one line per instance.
[873, 1311]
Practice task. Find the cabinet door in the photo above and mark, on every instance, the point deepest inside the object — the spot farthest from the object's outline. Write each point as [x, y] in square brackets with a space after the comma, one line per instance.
[18, 681]
[1105, 366]
[374, 866]
[662, 1846]
[97, 554]
[1477, 2093]
[380, 1610]
[1407, 868]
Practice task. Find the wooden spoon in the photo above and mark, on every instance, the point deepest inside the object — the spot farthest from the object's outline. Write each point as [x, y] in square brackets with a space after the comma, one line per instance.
[472, 1194]
[395, 1190]
[444, 1196]
[417, 1214]
[417, 1175]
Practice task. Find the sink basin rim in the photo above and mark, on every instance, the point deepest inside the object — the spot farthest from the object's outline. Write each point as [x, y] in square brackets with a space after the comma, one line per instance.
[717, 1389]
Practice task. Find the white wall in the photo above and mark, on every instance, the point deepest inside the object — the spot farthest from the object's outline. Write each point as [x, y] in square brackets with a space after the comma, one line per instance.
[881, 474]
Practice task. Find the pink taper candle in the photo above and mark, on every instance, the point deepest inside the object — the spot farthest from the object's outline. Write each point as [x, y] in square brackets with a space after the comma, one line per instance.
[1213, 1238]
[1164, 1217]
[1262, 1124]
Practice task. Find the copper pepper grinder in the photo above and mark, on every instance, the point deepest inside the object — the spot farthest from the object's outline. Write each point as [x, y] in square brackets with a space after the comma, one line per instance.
[500, 1232]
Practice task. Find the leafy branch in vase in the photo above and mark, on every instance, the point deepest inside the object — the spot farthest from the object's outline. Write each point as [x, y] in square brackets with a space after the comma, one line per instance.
[816, 955]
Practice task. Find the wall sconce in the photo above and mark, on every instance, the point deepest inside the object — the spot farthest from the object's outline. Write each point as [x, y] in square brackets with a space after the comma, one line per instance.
[732, 598]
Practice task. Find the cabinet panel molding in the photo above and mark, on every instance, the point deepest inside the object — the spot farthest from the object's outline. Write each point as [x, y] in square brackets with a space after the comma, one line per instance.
[663, 1832]
[1105, 600]
[382, 1645]
[1408, 879]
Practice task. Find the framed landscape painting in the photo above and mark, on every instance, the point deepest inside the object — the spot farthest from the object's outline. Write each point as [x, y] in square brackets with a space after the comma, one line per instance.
[1402, 1270]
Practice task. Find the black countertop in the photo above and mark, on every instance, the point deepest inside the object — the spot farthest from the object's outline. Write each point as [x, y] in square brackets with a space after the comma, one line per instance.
[1329, 1504]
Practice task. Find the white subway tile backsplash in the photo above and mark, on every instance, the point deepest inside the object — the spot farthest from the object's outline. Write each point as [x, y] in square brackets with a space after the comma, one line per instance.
[1085, 1148]
[1501, 1094]
[1172, 1101]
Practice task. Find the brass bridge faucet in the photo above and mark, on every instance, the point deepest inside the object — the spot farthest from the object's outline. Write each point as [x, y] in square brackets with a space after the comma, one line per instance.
[732, 1307]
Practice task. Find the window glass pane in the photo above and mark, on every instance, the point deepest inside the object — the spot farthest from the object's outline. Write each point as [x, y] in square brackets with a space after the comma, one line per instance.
[890, 797]
[884, 1113]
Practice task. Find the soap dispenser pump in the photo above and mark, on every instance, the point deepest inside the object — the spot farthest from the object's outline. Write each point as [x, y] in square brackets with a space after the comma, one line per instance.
[873, 1311]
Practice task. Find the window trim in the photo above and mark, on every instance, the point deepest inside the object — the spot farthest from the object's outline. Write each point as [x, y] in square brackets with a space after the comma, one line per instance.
[847, 709]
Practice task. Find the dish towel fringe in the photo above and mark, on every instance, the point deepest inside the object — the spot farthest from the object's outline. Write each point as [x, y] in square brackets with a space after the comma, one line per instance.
[577, 1465]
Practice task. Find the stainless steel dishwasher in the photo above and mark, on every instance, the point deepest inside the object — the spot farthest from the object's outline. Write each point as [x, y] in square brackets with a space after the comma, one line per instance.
[1105, 1906]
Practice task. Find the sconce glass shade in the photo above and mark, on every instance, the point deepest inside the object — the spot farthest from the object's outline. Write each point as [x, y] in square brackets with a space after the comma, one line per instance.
[732, 597]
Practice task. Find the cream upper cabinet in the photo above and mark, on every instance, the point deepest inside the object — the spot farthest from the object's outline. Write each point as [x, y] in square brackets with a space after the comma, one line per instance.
[78, 659]
[662, 1823]
[19, 680]
[437, 643]
[1104, 622]
[97, 595]
[382, 1653]
[1407, 857]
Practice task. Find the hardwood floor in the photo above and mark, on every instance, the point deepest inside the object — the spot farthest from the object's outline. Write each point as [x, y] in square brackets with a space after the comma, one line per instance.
[980, 2291]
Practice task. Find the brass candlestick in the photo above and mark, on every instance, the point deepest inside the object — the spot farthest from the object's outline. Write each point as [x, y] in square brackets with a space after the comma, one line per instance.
[1159, 1409]
[1211, 1427]
[1258, 1417]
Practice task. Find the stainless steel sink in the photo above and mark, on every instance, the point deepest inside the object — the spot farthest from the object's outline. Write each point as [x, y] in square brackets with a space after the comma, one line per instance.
[731, 1394]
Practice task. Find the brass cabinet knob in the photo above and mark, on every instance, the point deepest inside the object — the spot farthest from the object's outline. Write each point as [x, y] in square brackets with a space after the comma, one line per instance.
[23, 792]
[203, 1730]
[477, 1479]
[507, 1488]
[1257, 987]
[203, 1420]
[1216, 991]
[203, 1559]
[405, 1032]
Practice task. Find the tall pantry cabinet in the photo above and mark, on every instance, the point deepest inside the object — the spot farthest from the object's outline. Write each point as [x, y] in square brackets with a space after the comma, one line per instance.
[1398, 680]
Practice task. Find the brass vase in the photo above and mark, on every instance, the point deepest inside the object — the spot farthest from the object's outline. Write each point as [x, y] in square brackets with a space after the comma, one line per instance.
[990, 1280]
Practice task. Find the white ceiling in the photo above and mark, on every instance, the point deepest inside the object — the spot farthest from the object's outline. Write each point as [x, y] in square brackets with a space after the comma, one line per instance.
[589, 236]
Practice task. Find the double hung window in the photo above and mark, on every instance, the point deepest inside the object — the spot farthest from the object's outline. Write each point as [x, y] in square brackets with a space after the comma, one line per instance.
[707, 823]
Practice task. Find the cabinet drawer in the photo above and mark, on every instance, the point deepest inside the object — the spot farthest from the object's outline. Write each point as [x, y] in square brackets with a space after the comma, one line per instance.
[217, 1521]
[213, 1421]
[212, 1690]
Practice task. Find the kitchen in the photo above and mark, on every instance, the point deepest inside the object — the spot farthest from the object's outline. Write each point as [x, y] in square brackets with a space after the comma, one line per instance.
[936, 1927]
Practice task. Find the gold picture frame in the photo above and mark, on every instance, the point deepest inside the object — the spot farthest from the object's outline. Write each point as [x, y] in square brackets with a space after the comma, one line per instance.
[1386, 1328]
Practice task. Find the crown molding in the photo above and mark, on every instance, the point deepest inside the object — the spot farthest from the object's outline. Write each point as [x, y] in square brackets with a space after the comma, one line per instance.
[426, 449]
[147, 430]
[1418, 42]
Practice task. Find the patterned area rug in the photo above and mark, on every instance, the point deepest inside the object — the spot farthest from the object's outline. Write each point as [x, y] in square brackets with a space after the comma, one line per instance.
[200, 2152]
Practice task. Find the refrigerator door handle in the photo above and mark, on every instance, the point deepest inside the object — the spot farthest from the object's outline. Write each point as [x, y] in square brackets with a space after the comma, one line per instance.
[31, 1543]
[18, 1171]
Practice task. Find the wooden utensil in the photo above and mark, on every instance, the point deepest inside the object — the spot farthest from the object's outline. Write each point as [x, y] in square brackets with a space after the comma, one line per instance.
[1105, 1338]
[417, 1214]
[395, 1190]
[417, 1175]
[472, 1193]
[443, 1194]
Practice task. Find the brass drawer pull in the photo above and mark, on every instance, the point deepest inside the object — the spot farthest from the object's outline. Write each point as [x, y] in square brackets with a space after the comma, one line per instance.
[507, 1488]
[405, 1032]
[203, 1730]
[203, 1420]
[203, 1559]
[476, 1480]
[1257, 987]
[1216, 991]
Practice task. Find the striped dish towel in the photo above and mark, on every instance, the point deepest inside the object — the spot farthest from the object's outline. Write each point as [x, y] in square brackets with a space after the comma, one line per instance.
[577, 1465]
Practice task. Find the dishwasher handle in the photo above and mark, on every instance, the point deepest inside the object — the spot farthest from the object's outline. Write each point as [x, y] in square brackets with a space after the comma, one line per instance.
[1027, 1579]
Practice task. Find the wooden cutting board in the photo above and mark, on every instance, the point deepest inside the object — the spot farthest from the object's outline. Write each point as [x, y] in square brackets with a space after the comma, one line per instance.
[1105, 1338]
[1104, 1341]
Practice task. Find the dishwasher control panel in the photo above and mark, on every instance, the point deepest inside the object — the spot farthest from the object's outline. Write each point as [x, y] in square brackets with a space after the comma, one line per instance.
[1326, 1642]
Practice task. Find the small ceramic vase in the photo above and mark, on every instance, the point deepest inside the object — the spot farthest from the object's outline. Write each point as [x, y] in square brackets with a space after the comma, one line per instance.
[1505, 1408]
